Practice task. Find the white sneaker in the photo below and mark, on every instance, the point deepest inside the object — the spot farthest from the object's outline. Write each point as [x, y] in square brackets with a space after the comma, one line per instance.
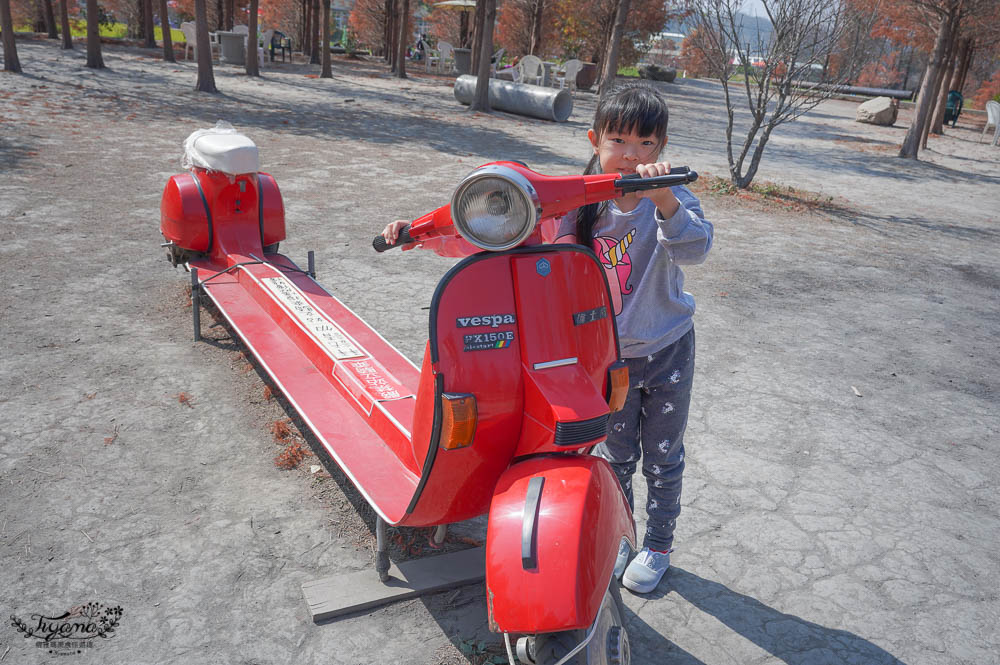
[646, 570]
[624, 550]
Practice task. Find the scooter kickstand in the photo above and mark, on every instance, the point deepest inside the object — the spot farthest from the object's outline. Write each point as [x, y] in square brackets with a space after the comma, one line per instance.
[382, 550]
[440, 532]
[196, 304]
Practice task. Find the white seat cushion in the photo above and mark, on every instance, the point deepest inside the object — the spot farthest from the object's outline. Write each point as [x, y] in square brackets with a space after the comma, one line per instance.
[223, 149]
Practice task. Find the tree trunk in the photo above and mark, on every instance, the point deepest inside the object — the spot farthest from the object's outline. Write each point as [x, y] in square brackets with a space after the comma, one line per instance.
[610, 69]
[168, 40]
[387, 31]
[403, 39]
[67, 37]
[535, 44]
[206, 77]
[304, 44]
[477, 34]
[911, 144]
[314, 52]
[947, 74]
[968, 65]
[227, 15]
[327, 72]
[220, 21]
[10, 61]
[50, 19]
[481, 102]
[147, 20]
[253, 59]
[939, 80]
[963, 67]
[394, 34]
[94, 59]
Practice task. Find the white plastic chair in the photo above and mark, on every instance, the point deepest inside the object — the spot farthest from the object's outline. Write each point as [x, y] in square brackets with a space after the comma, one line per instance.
[446, 54]
[495, 61]
[570, 69]
[266, 41]
[992, 118]
[190, 38]
[529, 70]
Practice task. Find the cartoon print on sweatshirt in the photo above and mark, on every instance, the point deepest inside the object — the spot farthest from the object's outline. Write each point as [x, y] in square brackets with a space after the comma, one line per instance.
[613, 254]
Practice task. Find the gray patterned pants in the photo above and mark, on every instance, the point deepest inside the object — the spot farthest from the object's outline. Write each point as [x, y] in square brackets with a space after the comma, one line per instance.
[652, 424]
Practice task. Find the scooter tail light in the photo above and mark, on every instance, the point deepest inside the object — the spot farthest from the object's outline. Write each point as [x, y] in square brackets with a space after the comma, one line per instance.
[458, 420]
[495, 208]
[617, 385]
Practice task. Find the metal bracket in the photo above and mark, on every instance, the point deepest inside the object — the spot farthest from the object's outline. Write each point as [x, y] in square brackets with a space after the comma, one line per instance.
[529, 523]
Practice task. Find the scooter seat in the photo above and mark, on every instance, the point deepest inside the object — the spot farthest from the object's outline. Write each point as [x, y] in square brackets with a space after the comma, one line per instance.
[230, 153]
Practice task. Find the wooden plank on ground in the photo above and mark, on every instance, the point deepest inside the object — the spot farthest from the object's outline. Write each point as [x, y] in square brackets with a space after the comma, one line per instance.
[361, 590]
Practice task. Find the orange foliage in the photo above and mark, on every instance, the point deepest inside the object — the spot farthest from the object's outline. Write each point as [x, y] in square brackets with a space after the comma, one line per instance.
[700, 56]
[367, 22]
[989, 90]
[882, 73]
[582, 26]
[514, 28]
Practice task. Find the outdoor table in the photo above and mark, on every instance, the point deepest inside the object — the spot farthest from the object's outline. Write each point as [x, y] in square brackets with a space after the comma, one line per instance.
[232, 47]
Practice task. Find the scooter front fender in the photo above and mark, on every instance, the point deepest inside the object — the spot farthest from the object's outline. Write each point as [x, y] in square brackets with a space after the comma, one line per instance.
[554, 528]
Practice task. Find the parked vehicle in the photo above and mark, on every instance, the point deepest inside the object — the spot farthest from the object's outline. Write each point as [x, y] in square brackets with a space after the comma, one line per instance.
[518, 380]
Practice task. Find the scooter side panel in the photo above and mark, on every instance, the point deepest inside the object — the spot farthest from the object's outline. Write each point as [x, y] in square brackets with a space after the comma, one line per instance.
[474, 349]
[581, 517]
[564, 292]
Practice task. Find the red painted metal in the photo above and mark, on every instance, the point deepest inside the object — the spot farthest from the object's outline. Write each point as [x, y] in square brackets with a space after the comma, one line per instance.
[582, 517]
[501, 328]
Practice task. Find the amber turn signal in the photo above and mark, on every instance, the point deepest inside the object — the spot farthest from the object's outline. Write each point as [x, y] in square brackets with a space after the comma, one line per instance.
[458, 420]
[617, 385]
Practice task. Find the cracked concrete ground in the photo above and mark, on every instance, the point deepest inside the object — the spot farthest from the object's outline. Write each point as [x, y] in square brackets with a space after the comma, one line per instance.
[840, 501]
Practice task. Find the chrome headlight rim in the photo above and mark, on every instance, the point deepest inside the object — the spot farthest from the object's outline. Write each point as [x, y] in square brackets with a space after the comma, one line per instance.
[520, 183]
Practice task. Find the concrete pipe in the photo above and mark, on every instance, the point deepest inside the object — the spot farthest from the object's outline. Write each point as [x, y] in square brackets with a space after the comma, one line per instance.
[531, 100]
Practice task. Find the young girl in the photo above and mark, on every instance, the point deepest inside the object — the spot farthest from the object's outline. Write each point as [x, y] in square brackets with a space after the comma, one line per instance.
[642, 239]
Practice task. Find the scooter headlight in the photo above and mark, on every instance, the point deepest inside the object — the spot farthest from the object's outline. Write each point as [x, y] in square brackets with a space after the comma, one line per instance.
[495, 208]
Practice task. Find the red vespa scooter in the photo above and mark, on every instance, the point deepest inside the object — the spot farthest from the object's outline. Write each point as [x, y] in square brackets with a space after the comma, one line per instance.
[518, 380]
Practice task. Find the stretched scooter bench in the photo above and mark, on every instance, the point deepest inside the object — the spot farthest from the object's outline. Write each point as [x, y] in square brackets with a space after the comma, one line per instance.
[519, 378]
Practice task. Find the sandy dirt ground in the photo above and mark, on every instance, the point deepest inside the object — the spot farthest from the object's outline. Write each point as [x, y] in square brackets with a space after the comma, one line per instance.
[840, 501]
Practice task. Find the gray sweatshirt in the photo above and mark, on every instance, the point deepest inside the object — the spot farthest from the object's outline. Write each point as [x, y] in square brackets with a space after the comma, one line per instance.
[641, 253]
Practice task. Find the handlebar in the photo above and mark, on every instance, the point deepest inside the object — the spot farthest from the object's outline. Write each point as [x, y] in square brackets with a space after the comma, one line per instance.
[679, 175]
[404, 238]
[559, 195]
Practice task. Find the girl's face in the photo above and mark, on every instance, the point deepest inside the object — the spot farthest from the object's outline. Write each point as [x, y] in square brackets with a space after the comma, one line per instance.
[621, 152]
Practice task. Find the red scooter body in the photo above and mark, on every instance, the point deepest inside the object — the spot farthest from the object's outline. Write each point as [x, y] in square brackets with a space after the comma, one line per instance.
[524, 340]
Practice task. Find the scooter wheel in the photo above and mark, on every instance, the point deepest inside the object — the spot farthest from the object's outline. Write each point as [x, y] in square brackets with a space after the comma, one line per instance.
[609, 646]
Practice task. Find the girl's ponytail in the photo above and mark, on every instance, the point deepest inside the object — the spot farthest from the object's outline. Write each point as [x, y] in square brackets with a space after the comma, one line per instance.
[588, 215]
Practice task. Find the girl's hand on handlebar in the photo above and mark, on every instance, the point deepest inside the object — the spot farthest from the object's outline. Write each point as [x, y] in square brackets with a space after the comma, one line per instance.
[664, 199]
[391, 231]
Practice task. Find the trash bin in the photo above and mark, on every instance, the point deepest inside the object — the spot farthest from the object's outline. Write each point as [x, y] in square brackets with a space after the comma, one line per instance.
[463, 60]
[231, 48]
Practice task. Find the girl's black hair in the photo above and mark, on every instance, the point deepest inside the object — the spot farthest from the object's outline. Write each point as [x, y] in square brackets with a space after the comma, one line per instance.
[632, 107]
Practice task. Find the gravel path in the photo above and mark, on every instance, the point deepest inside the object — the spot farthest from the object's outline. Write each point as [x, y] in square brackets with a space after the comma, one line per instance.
[840, 502]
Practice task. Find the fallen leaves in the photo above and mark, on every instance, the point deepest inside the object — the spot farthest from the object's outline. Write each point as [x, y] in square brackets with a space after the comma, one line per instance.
[185, 399]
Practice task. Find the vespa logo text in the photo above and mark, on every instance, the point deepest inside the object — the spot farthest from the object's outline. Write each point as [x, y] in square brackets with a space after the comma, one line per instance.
[487, 341]
[492, 320]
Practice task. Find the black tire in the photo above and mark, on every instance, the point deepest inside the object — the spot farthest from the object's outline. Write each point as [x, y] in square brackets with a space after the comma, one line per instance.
[271, 249]
[551, 647]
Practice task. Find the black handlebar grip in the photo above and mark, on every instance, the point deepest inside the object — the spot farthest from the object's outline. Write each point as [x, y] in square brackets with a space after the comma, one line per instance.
[403, 238]
[679, 175]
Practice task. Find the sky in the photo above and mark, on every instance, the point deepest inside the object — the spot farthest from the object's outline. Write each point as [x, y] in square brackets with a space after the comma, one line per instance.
[754, 8]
